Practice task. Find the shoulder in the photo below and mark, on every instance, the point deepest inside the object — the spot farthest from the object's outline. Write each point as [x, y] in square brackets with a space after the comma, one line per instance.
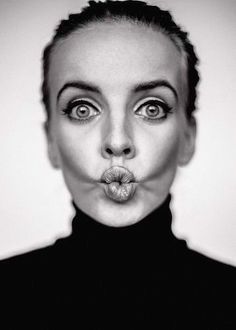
[21, 295]
[211, 281]
[205, 278]
[199, 262]
[203, 268]
[21, 274]
[206, 287]
[21, 270]
[31, 258]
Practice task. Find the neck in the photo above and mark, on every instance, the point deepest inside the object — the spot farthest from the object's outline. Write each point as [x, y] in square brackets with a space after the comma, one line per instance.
[157, 224]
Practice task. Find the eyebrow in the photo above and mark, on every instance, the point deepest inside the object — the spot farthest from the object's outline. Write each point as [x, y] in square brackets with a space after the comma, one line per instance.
[80, 85]
[138, 88]
[154, 84]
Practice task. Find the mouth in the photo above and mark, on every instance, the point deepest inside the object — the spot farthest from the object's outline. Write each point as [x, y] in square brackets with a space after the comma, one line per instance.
[119, 183]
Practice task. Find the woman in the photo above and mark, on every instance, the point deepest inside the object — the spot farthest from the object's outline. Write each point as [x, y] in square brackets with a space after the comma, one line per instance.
[119, 90]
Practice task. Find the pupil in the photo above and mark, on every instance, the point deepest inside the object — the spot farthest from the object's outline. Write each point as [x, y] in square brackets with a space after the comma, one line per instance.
[152, 110]
[82, 111]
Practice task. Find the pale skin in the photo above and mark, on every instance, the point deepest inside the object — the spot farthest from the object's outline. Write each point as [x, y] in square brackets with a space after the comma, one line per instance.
[129, 81]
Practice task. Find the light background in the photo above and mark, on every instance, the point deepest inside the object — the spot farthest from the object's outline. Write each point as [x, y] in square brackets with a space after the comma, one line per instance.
[35, 207]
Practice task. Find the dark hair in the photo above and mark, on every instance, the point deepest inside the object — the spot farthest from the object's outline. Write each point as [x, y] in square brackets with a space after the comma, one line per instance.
[137, 12]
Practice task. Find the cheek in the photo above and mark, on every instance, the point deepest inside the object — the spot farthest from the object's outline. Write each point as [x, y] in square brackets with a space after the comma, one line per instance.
[77, 149]
[159, 150]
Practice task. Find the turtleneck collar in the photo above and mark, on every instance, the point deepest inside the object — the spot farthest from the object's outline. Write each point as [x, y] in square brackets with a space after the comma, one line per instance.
[157, 224]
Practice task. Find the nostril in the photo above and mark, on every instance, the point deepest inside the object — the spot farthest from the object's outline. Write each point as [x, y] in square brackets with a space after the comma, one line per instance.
[127, 151]
[109, 151]
[114, 151]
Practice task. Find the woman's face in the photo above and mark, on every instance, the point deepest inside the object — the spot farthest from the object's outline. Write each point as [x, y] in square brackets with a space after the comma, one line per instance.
[118, 128]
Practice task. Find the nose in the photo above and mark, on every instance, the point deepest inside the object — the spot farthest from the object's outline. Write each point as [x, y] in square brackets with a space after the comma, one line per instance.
[118, 141]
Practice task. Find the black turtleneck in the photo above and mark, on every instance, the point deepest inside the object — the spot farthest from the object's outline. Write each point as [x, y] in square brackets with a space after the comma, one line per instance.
[100, 277]
[151, 235]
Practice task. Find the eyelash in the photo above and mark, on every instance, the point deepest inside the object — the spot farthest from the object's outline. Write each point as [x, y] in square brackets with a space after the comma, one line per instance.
[165, 108]
[75, 103]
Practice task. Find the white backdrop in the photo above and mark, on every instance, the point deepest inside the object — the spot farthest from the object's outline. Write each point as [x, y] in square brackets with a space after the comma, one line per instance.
[35, 207]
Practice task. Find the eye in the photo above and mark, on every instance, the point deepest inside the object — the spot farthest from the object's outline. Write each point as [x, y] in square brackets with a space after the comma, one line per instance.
[153, 109]
[81, 110]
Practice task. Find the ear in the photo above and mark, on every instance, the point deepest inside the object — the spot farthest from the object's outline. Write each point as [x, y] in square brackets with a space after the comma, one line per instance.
[188, 142]
[53, 153]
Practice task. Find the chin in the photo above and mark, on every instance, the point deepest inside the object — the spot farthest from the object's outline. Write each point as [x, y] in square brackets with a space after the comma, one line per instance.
[117, 218]
[118, 214]
[115, 214]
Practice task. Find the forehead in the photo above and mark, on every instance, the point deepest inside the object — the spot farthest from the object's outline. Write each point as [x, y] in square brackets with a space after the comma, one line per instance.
[115, 56]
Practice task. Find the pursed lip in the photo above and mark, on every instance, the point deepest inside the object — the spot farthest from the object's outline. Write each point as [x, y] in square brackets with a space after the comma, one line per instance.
[119, 183]
[117, 174]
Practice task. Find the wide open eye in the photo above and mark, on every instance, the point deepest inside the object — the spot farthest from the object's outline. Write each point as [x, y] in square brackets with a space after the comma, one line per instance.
[153, 109]
[81, 110]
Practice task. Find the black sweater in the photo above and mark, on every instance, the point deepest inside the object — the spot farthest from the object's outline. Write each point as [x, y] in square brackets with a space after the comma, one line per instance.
[136, 277]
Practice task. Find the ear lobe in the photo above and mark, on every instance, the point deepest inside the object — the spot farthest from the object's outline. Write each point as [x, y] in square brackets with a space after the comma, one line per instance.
[53, 153]
[187, 148]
